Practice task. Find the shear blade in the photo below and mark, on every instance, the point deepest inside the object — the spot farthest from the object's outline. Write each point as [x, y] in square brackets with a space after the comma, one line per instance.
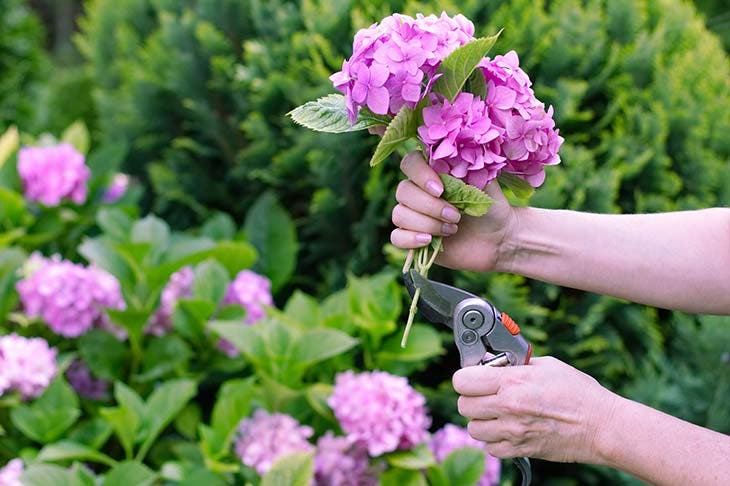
[437, 300]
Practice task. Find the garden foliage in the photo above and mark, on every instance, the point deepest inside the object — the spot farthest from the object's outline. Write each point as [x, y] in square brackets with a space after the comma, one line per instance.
[190, 98]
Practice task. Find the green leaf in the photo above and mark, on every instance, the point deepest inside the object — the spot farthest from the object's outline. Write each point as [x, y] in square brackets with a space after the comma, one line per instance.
[403, 127]
[329, 114]
[152, 230]
[106, 160]
[232, 405]
[271, 231]
[211, 281]
[420, 457]
[519, 187]
[190, 317]
[10, 260]
[165, 402]
[115, 223]
[403, 477]
[77, 135]
[125, 423]
[321, 344]
[50, 474]
[220, 226]
[69, 451]
[104, 354]
[476, 84]
[466, 198]
[130, 472]
[163, 355]
[303, 308]
[92, 432]
[293, 470]
[424, 343]
[50, 415]
[464, 466]
[134, 321]
[9, 143]
[317, 396]
[13, 210]
[101, 254]
[246, 339]
[458, 66]
[129, 399]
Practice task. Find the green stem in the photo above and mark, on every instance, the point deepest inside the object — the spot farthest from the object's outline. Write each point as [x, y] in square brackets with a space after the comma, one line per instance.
[423, 262]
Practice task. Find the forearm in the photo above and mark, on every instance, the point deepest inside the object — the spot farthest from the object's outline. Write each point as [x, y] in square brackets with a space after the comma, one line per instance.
[677, 260]
[661, 449]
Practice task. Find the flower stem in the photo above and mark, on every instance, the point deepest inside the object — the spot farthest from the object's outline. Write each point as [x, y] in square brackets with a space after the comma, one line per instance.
[423, 262]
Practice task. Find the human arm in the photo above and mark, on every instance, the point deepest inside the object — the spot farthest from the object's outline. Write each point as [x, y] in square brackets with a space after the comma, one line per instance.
[676, 260]
[552, 411]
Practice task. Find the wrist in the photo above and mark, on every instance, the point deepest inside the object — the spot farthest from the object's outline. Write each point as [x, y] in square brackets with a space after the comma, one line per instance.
[607, 442]
[510, 246]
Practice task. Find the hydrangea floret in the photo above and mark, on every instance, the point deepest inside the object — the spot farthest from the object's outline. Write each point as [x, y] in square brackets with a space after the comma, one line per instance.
[340, 461]
[180, 286]
[69, 297]
[11, 472]
[27, 365]
[265, 437]
[380, 410]
[51, 174]
[476, 118]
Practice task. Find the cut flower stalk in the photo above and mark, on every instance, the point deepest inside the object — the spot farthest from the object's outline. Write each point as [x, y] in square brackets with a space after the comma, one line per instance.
[422, 259]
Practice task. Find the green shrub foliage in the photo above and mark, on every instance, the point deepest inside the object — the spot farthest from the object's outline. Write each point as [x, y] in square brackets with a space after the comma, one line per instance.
[22, 61]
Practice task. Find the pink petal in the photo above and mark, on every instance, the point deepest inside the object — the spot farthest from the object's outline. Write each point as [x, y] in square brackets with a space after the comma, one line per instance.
[378, 100]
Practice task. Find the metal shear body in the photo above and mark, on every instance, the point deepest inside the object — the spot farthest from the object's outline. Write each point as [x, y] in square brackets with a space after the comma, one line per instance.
[483, 335]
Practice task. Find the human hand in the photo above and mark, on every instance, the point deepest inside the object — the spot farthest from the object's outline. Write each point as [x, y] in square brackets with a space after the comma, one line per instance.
[420, 213]
[547, 410]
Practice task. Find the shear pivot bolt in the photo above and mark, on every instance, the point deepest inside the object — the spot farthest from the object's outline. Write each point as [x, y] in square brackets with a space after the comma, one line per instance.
[469, 337]
[473, 319]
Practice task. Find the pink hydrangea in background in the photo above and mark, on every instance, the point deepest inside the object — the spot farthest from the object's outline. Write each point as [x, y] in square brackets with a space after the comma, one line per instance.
[27, 365]
[452, 437]
[50, 174]
[474, 139]
[117, 189]
[180, 286]
[69, 297]
[341, 462]
[251, 291]
[380, 410]
[264, 438]
[10, 474]
[394, 62]
[80, 378]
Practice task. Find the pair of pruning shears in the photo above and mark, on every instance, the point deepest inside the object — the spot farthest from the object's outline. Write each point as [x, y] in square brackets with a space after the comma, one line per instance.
[479, 328]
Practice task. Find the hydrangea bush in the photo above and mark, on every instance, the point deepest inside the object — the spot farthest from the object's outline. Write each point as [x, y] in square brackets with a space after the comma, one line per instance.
[147, 355]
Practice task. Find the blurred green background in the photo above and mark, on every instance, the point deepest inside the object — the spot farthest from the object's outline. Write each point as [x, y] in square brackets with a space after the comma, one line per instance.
[199, 89]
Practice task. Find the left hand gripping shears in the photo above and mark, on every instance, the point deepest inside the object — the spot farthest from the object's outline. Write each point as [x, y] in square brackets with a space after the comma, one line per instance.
[483, 335]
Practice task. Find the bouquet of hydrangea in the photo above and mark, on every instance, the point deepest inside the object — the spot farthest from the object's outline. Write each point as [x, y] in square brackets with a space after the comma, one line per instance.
[476, 118]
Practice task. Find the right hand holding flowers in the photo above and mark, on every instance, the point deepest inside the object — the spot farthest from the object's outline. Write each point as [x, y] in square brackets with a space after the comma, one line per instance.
[479, 243]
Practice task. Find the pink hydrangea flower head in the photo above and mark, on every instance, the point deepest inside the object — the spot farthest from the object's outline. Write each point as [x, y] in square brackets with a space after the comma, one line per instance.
[341, 462]
[50, 174]
[251, 291]
[394, 62]
[461, 139]
[27, 365]
[117, 188]
[80, 378]
[69, 297]
[380, 410]
[11, 472]
[180, 286]
[264, 438]
[452, 437]
[531, 140]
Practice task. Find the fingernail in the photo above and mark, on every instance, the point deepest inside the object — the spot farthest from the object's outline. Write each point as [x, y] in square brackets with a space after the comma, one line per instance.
[434, 188]
[423, 238]
[449, 228]
[450, 214]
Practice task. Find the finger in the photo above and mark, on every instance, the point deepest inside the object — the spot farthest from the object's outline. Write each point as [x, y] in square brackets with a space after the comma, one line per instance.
[417, 169]
[504, 449]
[486, 407]
[486, 431]
[478, 380]
[409, 239]
[377, 130]
[412, 196]
[408, 219]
